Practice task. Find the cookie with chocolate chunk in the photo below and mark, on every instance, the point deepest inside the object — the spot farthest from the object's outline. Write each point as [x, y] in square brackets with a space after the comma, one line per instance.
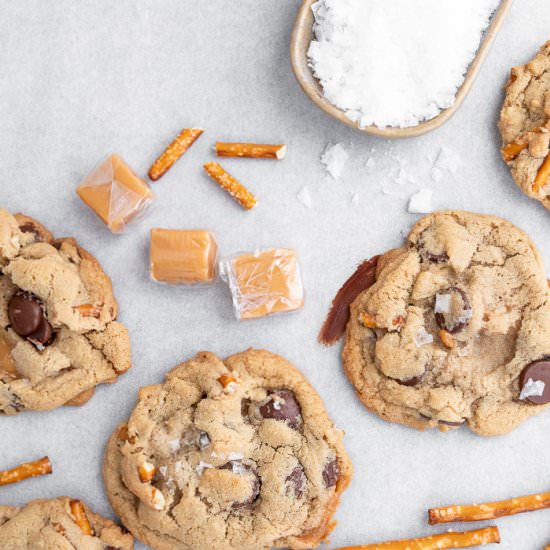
[228, 454]
[59, 523]
[58, 334]
[455, 328]
[525, 126]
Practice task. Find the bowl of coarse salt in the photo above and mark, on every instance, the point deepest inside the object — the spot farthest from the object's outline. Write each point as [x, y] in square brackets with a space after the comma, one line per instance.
[392, 68]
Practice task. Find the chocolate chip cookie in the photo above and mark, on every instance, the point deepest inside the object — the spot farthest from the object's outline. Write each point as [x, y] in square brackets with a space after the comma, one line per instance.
[455, 328]
[58, 334]
[228, 454]
[525, 126]
[60, 523]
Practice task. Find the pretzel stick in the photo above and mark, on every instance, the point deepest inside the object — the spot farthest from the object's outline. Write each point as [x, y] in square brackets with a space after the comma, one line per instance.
[39, 467]
[512, 150]
[173, 152]
[437, 542]
[80, 517]
[490, 510]
[226, 181]
[250, 150]
[542, 175]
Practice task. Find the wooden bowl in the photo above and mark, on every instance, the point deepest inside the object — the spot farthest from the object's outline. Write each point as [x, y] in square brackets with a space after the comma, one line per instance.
[302, 35]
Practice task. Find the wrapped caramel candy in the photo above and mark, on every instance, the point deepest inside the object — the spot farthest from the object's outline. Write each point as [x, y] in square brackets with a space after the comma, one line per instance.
[183, 256]
[115, 193]
[264, 282]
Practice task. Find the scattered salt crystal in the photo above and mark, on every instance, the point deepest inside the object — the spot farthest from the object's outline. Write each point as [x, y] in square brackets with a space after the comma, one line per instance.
[395, 62]
[442, 303]
[355, 199]
[334, 158]
[201, 466]
[304, 197]
[177, 466]
[393, 192]
[532, 388]
[401, 178]
[447, 159]
[174, 444]
[421, 202]
[370, 163]
[204, 440]
[163, 470]
[423, 337]
[234, 456]
[237, 467]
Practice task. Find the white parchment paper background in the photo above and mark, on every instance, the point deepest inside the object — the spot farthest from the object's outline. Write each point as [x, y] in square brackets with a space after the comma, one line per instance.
[80, 79]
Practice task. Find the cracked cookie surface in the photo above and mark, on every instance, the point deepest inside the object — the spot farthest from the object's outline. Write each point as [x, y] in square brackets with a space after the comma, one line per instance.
[228, 454]
[525, 126]
[52, 524]
[455, 329]
[58, 334]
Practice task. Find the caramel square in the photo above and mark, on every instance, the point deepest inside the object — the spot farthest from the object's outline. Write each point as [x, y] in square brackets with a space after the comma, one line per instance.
[115, 193]
[183, 256]
[265, 282]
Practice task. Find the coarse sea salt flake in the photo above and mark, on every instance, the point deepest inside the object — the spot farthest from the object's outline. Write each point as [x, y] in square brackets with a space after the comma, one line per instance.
[423, 337]
[334, 158]
[395, 62]
[201, 466]
[234, 456]
[174, 444]
[304, 196]
[421, 202]
[532, 388]
[442, 303]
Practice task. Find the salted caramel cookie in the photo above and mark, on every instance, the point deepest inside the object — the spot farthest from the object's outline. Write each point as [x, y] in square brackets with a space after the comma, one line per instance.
[525, 126]
[61, 524]
[58, 335]
[228, 454]
[455, 328]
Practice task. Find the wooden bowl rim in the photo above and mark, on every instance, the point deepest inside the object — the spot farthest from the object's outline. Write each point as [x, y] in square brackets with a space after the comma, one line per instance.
[301, 37]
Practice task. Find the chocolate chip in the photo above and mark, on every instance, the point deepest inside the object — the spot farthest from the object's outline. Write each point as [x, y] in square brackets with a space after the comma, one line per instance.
[282, 405]
[296, 481]
[536, 377]
[460, 311]
[414, 381]
[25, 313]
[29, 227]
[331, 472]
[239, 468]
[245, 407]
[42, 335]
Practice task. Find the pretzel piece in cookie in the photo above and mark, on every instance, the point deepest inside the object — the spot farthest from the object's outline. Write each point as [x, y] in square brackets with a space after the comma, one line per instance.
[442, 541]
[173, 152]
[78, 513]
[490, 510]
[39, 467]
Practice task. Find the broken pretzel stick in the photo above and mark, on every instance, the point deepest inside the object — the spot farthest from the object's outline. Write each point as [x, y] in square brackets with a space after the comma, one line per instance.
[39, 467]
[88, 310]
[80, 517]
[174, 151]
[146, 471]
[227, 182]
[447, 339]
[250, 150]
[464, 539]
[490, 510]
[543, 175]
